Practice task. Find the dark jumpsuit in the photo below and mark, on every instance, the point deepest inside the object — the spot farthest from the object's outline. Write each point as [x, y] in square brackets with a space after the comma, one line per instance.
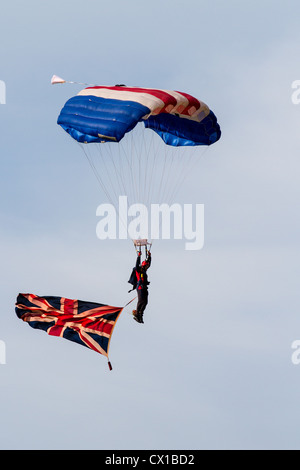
[142, 284]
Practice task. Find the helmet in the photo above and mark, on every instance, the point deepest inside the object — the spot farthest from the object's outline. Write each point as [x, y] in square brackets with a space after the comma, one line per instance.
[144, 263]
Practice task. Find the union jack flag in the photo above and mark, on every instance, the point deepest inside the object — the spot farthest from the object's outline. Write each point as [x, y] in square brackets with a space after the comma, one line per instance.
[87, 323]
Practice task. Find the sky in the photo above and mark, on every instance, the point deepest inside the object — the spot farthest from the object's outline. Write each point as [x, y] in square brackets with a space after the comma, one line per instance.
[212, 367]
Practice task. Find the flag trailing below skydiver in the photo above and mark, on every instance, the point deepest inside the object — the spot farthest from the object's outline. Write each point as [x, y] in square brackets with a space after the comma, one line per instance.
[87, 323]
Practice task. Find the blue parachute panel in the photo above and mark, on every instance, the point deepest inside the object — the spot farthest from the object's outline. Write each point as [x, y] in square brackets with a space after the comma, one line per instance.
[93, 119]
[179, 131]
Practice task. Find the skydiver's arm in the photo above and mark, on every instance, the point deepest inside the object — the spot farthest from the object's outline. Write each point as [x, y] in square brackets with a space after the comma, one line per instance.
[149, 259]
[138, 261]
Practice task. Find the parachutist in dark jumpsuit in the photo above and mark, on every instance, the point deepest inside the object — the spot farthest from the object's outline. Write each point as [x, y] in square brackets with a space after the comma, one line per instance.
[142, 286]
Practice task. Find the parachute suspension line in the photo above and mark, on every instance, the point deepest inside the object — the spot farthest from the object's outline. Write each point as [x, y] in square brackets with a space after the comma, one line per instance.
[112, 158]
[99, 179]
[118, 166]
[139, 167]
[127, 150]
[162, 176]
[140, 153]
[154, 167]
[122, 159]
[146, 146]
[144, 152]
[112, 155]
[192, 161]
[135, 156]
[151, 152]
[178, 176]
[173, 167]
[196, 155]
[171, 162]
[139, 172]
[147, 182]
[177, 164]
[140, 162]
[199, 155]
[116, 157]
[143, 166]
[109, 175]
[120, 163]
[92, 165]
[166, 177]
[150, 168]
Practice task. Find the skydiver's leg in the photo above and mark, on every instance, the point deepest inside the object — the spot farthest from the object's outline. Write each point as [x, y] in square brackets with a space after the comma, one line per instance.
[140, 301]
[141, 304]
[145, 301]
[136, 313]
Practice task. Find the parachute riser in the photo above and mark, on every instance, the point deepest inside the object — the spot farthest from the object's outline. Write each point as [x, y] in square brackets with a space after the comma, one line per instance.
[138, 244]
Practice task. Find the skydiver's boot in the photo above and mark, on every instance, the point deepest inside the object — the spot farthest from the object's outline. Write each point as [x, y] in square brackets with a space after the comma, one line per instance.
[137, 316]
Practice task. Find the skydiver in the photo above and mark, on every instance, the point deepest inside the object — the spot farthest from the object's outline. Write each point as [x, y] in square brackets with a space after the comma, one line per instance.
[141, 286]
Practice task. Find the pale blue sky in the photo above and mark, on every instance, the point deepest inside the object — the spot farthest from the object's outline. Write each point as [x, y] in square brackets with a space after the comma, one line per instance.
[211, 367]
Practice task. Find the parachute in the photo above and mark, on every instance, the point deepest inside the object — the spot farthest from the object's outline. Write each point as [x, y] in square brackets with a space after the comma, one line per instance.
[101, 114]
[139, 142]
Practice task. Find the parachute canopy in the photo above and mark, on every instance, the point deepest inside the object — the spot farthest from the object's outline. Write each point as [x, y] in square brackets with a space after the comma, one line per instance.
[106, 114]
[145, 142]
[87, 323]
